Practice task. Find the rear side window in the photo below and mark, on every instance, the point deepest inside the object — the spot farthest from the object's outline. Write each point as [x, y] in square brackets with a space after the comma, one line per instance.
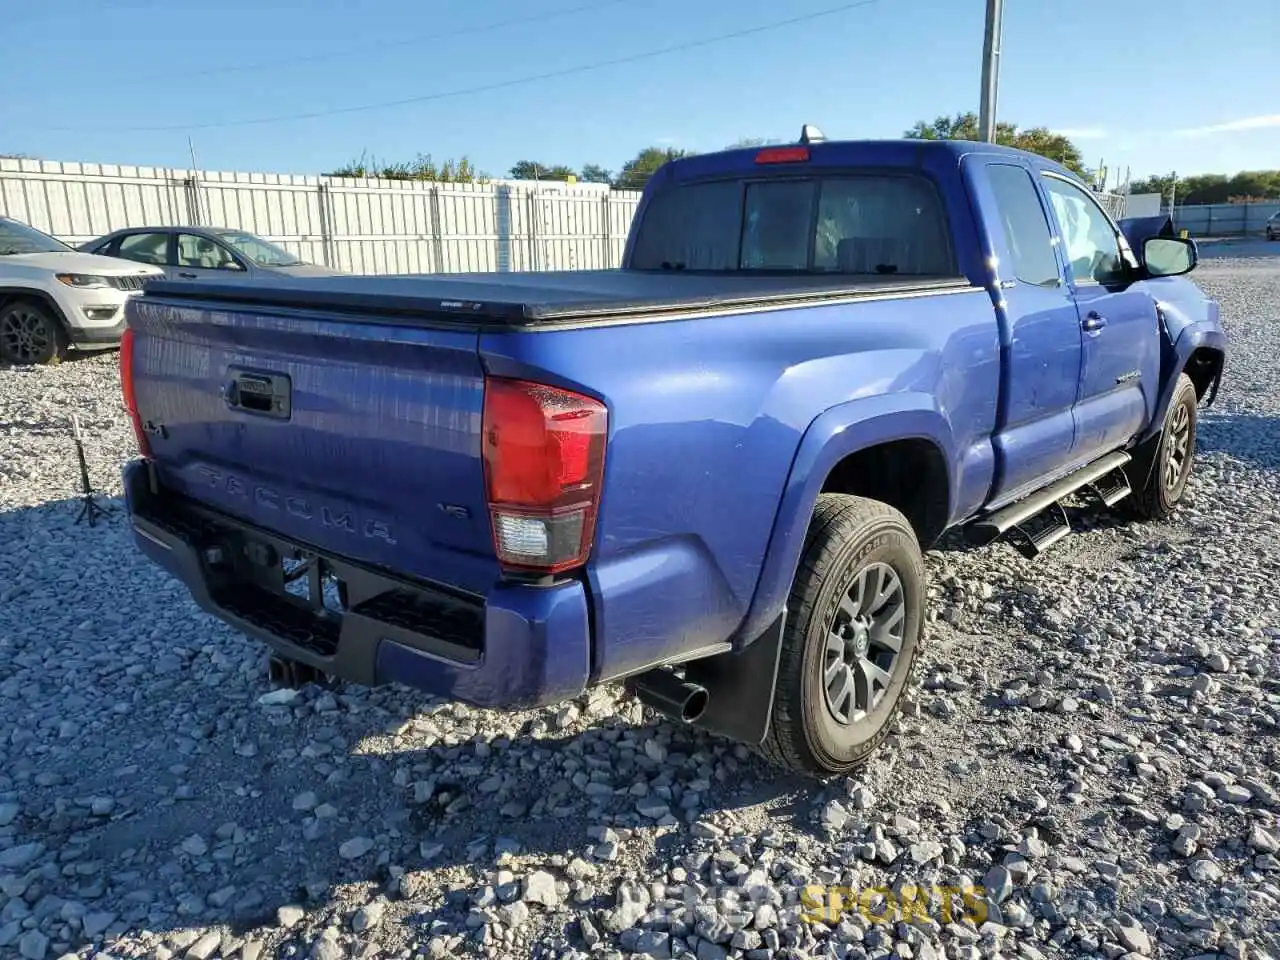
[1026, 228]
[863, 225]
[145, 248]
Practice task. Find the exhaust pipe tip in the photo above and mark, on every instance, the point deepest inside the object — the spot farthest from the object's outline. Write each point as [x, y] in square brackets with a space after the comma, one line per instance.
[671, 696]
[284, 672]
[696, 704]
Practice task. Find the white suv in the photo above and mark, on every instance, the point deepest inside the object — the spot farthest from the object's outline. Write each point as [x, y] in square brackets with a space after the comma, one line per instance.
[53, 298]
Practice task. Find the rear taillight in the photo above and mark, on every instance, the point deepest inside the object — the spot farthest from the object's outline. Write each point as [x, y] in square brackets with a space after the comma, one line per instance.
[544, 467]
[127, 389]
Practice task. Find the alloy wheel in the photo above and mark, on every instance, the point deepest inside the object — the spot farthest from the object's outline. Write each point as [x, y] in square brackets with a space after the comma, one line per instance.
[24, 335]
[1178, 449]
[863, 643]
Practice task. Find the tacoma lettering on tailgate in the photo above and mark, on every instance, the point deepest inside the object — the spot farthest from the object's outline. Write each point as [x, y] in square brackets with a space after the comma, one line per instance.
[303, 508]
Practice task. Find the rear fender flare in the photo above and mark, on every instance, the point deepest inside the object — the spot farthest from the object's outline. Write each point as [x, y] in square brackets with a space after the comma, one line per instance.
[840, 431]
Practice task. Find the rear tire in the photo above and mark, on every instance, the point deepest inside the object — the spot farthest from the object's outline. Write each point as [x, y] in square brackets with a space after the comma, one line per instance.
[1165, 461]
[29, 336]
[853, 631]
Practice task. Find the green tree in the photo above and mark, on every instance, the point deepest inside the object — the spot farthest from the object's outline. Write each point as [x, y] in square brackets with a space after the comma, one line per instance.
[531, 170]
[594, 173]
[1213, 187]
[1041, 140]
[1161, 184]
[420, 168]
[635, 173]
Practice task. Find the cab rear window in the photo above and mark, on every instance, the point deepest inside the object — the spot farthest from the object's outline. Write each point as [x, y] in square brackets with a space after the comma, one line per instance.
[863, 225]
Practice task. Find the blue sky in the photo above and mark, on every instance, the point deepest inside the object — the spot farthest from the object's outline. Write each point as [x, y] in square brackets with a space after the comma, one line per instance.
[1192, 86]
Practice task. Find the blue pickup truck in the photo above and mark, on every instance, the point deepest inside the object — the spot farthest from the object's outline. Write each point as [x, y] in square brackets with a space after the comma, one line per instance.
[709, 474]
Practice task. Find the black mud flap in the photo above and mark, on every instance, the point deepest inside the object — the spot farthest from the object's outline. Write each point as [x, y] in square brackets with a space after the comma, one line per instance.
[741, 686]
[1213, 387]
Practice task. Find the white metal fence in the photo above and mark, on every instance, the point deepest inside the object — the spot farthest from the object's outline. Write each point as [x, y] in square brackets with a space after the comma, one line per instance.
[1225, 219]
[1113, 203]
[366, 226]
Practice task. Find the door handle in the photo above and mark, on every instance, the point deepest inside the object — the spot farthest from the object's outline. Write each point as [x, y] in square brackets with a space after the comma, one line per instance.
[188, 276]
[267, 394]
[1093, 322]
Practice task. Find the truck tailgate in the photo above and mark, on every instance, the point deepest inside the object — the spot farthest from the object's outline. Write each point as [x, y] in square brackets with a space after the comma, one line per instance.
[359, 438]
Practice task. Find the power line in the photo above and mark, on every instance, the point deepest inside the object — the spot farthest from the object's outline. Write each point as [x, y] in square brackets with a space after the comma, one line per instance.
[52, 12]
[482, 88]
[367, 48]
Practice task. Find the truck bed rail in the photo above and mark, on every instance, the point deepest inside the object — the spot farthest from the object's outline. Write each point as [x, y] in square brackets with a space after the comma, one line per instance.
[510, 301]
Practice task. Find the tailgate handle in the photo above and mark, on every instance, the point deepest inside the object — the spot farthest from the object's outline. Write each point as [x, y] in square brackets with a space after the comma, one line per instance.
[266, 394]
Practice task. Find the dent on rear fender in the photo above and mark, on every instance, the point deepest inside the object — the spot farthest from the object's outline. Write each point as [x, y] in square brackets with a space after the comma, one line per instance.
[659, 603]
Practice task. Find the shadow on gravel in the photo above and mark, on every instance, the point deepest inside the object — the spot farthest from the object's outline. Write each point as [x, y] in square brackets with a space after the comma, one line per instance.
[1253, 438]
[162, 794]
[71, 356]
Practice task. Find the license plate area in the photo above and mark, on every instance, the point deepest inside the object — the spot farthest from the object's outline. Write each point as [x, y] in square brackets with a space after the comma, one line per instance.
[327, 606]
[287, 590]
[315, 600]
[309, 578]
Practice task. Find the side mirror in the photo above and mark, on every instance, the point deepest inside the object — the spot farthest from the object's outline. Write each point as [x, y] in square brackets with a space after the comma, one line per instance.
[1169, 256]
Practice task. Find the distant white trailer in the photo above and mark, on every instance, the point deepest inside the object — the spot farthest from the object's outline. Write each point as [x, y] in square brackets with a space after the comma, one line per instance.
[1142, 205]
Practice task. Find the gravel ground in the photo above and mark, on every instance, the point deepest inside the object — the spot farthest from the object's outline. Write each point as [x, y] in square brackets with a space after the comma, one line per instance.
[1094, 741]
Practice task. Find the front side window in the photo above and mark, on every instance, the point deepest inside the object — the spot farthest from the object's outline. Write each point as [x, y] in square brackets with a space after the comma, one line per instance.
[883, 225]
[1089, 241]
[258, 250]
[195, 251]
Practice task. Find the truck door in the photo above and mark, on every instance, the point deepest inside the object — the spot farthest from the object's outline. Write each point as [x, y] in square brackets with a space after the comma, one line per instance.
[1035, 433]
[1120, 331]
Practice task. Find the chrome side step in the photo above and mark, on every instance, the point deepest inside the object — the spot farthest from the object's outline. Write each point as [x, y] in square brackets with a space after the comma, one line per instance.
[1112, 488]
[1039, 521]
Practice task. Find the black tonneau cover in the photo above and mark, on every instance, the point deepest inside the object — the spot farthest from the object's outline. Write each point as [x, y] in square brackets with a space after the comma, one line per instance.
[524, 299]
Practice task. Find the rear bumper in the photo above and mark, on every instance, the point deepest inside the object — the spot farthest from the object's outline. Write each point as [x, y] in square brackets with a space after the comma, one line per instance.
[520, 647]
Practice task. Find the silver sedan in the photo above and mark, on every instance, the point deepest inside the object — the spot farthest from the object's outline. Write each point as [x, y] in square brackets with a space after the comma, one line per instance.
[204, 253]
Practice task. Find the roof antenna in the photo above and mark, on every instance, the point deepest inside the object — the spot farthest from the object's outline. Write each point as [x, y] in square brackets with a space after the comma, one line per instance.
[811, 134]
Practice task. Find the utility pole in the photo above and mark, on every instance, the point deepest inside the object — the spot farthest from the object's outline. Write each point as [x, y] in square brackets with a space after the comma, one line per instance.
[195, 182]
[990, 71]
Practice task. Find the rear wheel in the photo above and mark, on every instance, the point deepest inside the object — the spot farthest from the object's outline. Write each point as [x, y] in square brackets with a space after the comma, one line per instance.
[852, 635]
[29, 335]
[1165, 462]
